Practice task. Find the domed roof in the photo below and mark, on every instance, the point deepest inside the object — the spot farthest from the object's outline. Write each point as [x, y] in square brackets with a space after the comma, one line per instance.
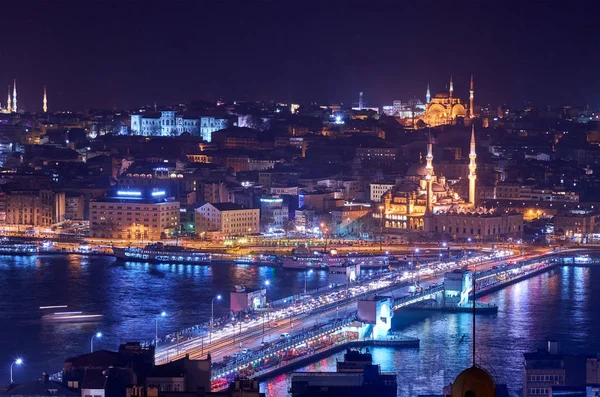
[417, 169]
[475, 381]
[438, 188]
[443, 94]
[406, 187]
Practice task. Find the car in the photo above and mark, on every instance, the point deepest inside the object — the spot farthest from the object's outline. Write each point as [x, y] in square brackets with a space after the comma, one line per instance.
[284, 336]
[245, 351]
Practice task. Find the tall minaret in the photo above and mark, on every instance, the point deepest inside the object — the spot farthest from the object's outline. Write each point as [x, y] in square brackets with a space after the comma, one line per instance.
[471, 93]
[451, 90]
[360, 101]
[428, 95]
[8, 108]
[429, 175]
[45, 101]
[472, 168]
[15, 96]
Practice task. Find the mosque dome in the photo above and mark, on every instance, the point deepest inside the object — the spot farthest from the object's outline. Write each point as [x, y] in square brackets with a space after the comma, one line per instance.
[417, 169]
[438, 188]
[443, 94]
[406, 187]
[474, 382]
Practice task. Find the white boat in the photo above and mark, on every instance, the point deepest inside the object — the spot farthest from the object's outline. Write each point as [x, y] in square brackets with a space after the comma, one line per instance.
[161, 253]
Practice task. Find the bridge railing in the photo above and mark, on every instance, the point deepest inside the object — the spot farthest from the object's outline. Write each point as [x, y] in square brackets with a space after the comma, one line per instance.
[409, 299]
[269, 352]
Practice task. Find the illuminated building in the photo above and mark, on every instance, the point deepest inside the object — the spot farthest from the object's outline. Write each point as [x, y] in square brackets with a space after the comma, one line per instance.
[226, 219]
[35, 207]
[14, 102]
[378, 189]
[425, 202]
[167, 123]
[9, 101]
[134, 215]
[45, 101]
[273, 213]
[444, 108]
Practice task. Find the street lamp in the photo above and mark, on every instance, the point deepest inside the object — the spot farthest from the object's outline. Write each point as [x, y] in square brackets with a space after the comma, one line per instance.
[212, 310]
[18, 361]
[305, 277]
[162, 314]
[96, 335]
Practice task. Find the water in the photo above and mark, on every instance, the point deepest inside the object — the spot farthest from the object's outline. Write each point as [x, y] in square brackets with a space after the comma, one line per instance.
[556, 305]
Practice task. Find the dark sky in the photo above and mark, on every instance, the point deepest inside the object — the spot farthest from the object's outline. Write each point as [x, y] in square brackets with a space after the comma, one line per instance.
[130, 53]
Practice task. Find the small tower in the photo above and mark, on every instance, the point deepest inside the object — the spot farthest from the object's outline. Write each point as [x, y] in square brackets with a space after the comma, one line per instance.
[472, 168]
[428, 94]
[45, 101]
[15, 96]
[360, 101]
[451, 90]
[429, 175]
[471, 94]
[8, 103]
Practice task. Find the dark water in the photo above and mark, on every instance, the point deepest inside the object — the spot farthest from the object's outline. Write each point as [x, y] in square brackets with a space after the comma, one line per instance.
[563, 304]
[558, 305]
[129, 295]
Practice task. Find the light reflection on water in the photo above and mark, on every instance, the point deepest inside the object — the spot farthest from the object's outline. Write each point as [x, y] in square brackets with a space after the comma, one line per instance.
[558, 305]
[129, 295]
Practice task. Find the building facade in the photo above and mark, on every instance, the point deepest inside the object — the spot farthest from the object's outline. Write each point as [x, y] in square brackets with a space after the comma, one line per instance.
[42, 208]
[167, 123]
[226, 219]
[134, 215]
[376, 190]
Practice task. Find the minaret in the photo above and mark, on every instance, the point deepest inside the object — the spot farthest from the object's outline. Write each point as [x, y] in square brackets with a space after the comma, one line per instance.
[360, 101]
[429, 175]
[471, 92]
[15, 96]
[428, 95]
[472, 168]
[8, 108]
[45, 101]
[451, 90]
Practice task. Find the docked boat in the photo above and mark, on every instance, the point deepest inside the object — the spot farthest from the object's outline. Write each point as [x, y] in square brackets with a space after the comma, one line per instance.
[302, 258]
[355, 376]
[333, 258]
[12, 248]
[161, 253]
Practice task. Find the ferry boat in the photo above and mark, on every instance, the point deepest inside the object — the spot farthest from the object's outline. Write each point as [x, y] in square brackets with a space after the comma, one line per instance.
[12, 248]
[162, 253]
[364, 260]
[355, 376]
[302, 258]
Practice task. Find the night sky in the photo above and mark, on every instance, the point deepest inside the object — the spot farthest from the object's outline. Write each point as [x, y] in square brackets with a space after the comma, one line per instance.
[130, 53]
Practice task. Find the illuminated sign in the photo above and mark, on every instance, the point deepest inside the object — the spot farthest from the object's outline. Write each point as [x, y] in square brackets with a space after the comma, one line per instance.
[158, 193]
[128, 193]
[274, 200]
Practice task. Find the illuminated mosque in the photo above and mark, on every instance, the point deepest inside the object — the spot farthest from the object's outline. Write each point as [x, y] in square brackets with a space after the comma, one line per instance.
[425, 202]
[444, 108]
[11, 102]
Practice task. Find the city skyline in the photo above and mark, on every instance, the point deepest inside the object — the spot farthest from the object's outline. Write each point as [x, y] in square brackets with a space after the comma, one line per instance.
[534, 53]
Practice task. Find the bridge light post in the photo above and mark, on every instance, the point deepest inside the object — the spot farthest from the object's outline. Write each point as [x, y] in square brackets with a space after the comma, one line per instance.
[18, 361]
[309, 271]
[212, 316]
[96, 335]
[162, 314]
